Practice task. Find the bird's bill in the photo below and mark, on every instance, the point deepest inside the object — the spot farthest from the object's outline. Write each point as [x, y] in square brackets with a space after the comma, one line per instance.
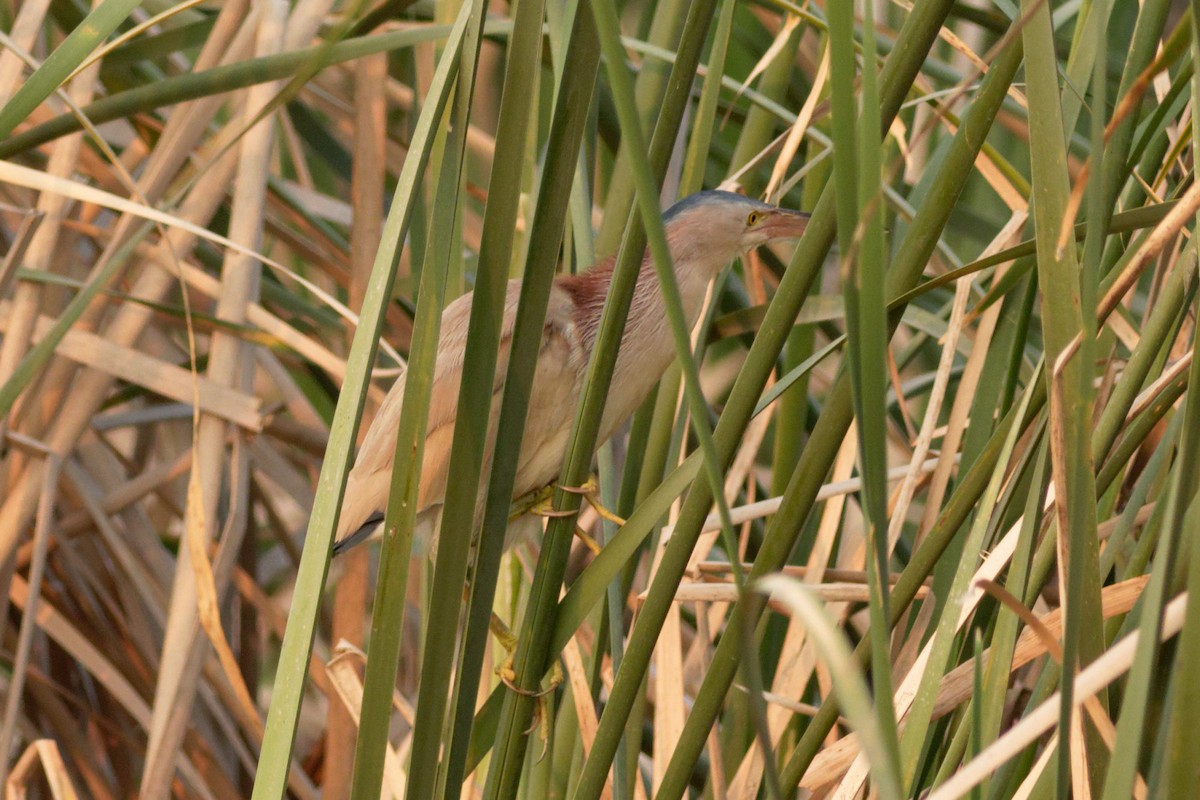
[783, 223]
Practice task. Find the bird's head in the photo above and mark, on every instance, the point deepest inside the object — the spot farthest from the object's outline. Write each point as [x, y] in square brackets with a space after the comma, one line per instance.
[713, 228]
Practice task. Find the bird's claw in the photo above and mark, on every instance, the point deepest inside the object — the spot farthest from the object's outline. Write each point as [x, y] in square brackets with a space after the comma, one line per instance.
[542, 716]
[553, 513]
[508, 677]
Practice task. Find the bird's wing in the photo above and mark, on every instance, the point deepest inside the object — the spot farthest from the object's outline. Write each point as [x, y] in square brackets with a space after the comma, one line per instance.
[561, 364]
[370, 479]
[443, 405]
[366, 487]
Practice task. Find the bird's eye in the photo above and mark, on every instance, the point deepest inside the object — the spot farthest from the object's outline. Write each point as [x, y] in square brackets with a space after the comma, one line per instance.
[752, 219]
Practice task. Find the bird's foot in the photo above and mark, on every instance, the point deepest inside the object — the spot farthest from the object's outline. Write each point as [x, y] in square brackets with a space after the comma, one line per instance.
[541, 502]
[591, 492]
[543, 709]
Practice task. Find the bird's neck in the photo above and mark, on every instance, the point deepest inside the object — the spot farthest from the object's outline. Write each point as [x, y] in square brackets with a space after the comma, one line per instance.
[589, 290]
[647, 347]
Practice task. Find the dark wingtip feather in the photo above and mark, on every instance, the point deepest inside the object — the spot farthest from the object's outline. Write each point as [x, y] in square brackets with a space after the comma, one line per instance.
[359, 536]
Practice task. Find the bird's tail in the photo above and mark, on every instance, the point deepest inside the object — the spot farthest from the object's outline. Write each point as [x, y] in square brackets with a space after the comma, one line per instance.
[362, 508]
[362, 534]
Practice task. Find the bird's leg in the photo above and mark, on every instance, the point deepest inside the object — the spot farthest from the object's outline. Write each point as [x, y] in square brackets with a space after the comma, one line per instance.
[544, 709]
[588, 541]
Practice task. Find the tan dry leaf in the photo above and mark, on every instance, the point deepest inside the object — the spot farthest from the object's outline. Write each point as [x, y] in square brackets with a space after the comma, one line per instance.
[158, 376]
[206, 600]
[43, 752]
[343, 677]
[585, 711]
[799, 128]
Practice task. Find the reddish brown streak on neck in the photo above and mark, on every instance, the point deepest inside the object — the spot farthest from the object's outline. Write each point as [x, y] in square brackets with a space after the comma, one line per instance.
[588, 290]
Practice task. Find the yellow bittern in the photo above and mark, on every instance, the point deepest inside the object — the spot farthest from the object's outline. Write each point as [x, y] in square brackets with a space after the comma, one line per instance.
[705, 231]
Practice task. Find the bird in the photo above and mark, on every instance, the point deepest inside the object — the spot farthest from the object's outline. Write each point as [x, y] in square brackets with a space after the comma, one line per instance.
[705, 231]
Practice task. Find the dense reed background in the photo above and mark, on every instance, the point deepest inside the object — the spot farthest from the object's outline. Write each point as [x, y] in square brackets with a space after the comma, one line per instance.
[952, 424]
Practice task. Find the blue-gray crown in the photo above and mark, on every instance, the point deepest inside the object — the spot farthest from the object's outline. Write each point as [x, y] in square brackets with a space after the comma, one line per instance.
[712, 197]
